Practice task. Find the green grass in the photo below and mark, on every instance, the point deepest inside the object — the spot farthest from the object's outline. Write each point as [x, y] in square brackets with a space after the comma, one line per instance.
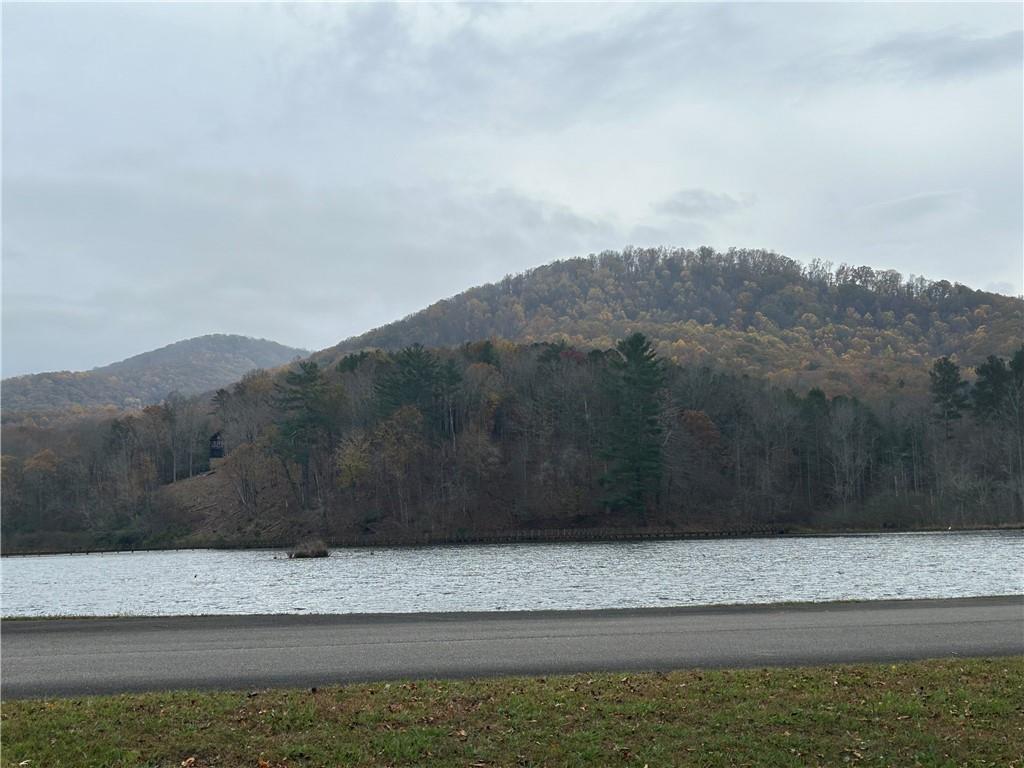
[931, 713]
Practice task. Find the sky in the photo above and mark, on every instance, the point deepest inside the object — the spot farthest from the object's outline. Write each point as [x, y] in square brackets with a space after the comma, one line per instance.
[304, 173]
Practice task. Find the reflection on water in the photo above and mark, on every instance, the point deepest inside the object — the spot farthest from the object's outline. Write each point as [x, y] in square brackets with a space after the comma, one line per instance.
[518, 576]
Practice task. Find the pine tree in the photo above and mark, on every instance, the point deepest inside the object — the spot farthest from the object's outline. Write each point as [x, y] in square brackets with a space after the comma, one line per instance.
[998, 401]
[636, 379]
[412, 379]
[948, 393]
[994, 387]
[303, 399]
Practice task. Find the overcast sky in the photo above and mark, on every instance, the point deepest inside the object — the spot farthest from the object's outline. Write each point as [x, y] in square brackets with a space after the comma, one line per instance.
[304, 173]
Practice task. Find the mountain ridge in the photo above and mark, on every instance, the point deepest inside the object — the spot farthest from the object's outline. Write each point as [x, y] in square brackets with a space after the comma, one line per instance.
[844, 329]
[188, 366]
[847, 330]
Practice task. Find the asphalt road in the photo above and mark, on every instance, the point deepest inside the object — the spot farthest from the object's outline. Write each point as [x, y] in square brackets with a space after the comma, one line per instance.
[71, 657]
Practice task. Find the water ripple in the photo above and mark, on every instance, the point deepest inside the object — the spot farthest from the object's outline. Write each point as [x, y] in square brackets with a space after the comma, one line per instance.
[518, 576]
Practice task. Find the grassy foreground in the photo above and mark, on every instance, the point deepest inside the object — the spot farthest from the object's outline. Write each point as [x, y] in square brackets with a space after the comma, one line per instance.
[949, 713]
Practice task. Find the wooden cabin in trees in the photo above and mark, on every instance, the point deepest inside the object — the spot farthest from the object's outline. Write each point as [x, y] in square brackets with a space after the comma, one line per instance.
[217, 446]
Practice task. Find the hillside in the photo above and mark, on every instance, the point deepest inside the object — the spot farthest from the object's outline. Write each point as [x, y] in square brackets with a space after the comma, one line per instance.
[851, 330]
[192, 366]
[722, 403]
[494, 437]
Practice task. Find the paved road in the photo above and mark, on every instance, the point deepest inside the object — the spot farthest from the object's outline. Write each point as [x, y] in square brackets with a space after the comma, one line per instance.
[85, 656]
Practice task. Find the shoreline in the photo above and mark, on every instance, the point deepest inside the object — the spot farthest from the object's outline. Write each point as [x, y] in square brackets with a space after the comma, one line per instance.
[540, 613]
[539, 536]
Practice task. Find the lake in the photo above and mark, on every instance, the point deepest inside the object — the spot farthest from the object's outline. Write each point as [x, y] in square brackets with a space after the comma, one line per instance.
[510, 577]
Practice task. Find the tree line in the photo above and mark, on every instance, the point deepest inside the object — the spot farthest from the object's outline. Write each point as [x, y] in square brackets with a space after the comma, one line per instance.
[496, 436]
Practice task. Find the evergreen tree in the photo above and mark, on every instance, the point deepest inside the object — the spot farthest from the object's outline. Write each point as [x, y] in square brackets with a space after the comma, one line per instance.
[999, 389]
[304, 400]
[948, 393]
[636, 379]
[412, 379]
[350, 363]
[416, 377]
[998, 400]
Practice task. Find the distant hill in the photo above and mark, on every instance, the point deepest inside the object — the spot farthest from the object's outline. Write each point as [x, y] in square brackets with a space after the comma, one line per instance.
[850, 330]
[189, 367]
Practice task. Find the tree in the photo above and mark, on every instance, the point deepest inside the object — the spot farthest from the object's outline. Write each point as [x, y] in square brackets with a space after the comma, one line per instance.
[246, 409]
[398, 454]
[411, 380]
[636, 379]
[849, 449]
[194, 429]
[948, 393]
[40, 470]
[417, 378]
[994, 388]
[308, 404]
[351, 363]
[998, 397]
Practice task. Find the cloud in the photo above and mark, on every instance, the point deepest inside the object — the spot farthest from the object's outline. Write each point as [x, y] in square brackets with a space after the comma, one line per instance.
[947, 54]
[306, 172]
[265, 256]
[700, 204]
[907, 211]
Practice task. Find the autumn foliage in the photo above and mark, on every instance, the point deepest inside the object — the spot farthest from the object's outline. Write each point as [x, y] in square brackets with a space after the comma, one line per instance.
[493, 436]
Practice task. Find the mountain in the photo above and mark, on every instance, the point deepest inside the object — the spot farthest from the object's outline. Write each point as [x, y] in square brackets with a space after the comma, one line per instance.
[192, 366]
[675, 390]
[849, 330]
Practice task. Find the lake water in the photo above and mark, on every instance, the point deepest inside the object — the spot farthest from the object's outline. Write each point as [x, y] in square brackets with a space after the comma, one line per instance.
[518, 576]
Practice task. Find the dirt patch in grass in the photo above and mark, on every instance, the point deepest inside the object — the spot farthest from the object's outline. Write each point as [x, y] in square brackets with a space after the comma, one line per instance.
[931, 713]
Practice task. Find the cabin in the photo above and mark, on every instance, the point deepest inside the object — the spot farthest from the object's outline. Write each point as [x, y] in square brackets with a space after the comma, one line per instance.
[217, 447]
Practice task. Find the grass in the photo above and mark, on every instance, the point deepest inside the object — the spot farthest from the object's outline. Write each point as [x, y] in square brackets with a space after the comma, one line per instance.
[929, 713]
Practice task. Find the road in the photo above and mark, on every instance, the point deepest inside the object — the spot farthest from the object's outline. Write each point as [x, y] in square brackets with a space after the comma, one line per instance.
[71, 657]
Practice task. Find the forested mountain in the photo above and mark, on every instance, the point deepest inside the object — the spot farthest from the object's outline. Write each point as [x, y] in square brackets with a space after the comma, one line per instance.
[691, 390]
[493, 436]
[188, 367]
[849, 330]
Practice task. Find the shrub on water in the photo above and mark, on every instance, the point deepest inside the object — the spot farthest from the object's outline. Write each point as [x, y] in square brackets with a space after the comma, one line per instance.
[309, 548]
